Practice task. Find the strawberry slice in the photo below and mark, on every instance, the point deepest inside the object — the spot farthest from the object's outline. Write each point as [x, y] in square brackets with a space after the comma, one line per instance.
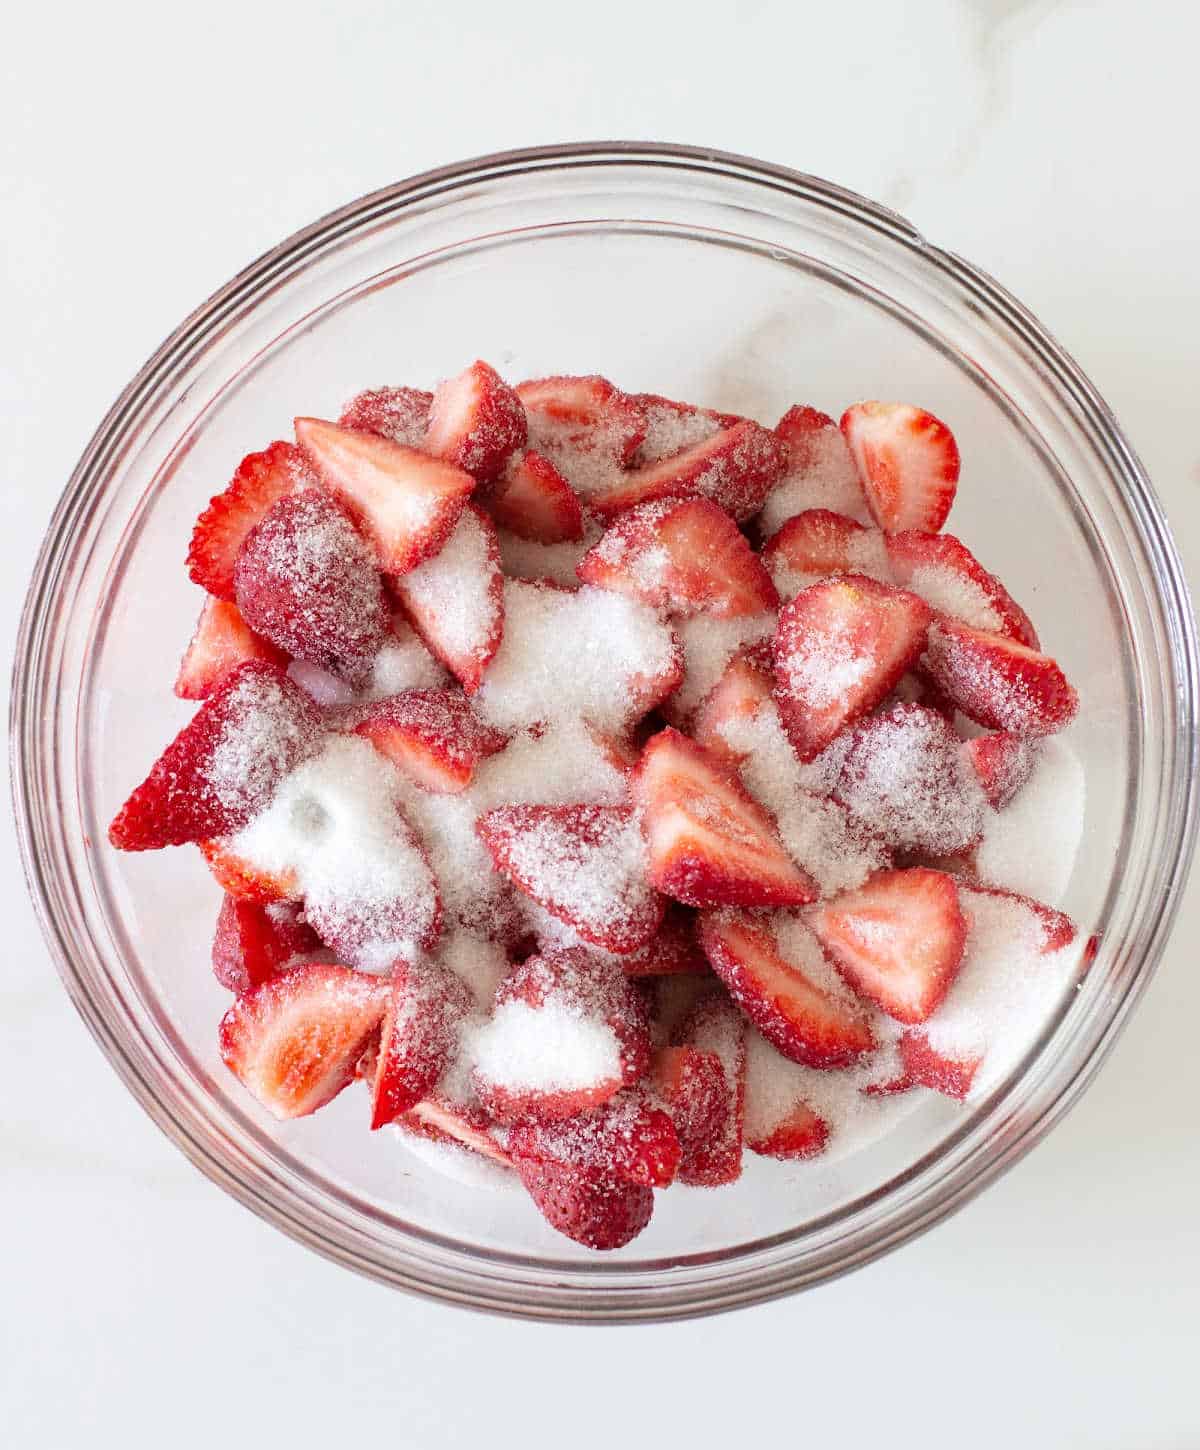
[840, 646]
[709, 843]
[1054, 929]
[715, 1027]
[242, 878]
[998, 682]
[598, 1210]
[252, 943]
[222, 641]
[908, 463]
[745, 688]
[398, 414]
[898, 940]
[261, 480]
[817, 543]
[616, 750]
[534, 501]
[945, 573]
[736, 468]
[434, 736]
[405, 502]
[819, 472]
[780, 1123]
[625, 1138]
[294, 1041]
[691, 1086]
[585, 864]
[686, 556]
[582, 415]
[672, 426]
[440, 1121]
[952, 1075]
[672, 950]
[455, 601]
[419, 1037]
[475, 422]
[1002, 763]
[222, 767]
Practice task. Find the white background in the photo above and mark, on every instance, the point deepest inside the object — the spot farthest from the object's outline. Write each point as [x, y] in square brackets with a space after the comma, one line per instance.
[150, 151]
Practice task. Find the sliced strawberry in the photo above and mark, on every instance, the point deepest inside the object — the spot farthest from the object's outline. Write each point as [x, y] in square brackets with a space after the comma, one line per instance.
[840, 646]
[673, 948]
[455, 601]
[534, 501]
[419, 1037]
[398, 414]
[582, 415]
[241, 878]
[999, 682]
[908, 463]
[686, 556]
[736, 468]
[222, 641]
[671, 426]
[261, 480]
[252, 942]
[898, 940]
[434, 736]
[709, 843]
[780, 1123]
[625, 1138]
[405, 502]
[743, 690]
[222, 767]
[294, 1040]
[692, 1087]
[819, 473]
[1002, 764]
[440, 1121]
[475, 422]
[715, 1026]
[595, 1209]
[952, 581]
[585, 864]
[817, 543]
[1056, 927]
[924, 1066]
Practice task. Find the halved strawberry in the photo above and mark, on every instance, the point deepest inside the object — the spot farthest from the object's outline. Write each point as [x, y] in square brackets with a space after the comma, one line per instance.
[455, 601]
[222, 641]
[434, 736]
[475, 422]
[817, 543]
[709, 843]
[585, 864]
[736, 467]
[780, 1123]
[252, 943]
[398, 414]
[418, 1038]
[952, 581]
[671, 950]
[840, 646]
[908, 463]
[742, 691]
[673, 426]
[819, 472]
[715, 1026]
[261, 480]
[998, 682]
[582, 414]
[598, 1210]
[252, 730]
[898, 940]
[534, 501]
[294, 1040]
[625, 1137]
[691, 1086]
[1002, 763]
[442, 1121]
[241, 878]
[686, 556]
[406, 502]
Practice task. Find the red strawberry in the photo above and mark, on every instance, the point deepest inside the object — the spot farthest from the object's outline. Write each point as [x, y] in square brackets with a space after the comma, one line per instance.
[222, 641]
[1002, 764]
[455, 601]
[908, 463]
[441, 1121]
[672, 426]
[534, 501]
[261, 480]
[736, 467]
[924, 1066]
[999, 682]
[691, 1086]
[951, 580]
[671, 950]
[595, 1209]
[238, 877]
[716, 1027]
[434, 736]
[252, 943]
[406, 502]
[816, 543]
[709, 843]
[617, 751]
[294, 1041]
[779, 1121]
[819, 471]
[398, 414]
[222, 766]
[419, 1037]
[898, 940]
[840, 646]
[475, 422]
[741, 692]
[624, 1138]
[585, 864]
[583, 414]
[686, 556]
[1057, 928]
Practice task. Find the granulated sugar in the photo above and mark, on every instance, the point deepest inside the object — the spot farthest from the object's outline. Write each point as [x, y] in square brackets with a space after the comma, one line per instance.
[263, 736]
[455, 588]
[866, 553]
[557, 1047]
[479, 961]
[525, 559]
[589, 458]
[1030, 846]
[708, 646]
[824, 477]
[952, 592]
[671, 429]
[403, 663]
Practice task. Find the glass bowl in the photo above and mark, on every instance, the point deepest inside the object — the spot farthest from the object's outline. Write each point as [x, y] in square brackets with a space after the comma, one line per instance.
[688, 272]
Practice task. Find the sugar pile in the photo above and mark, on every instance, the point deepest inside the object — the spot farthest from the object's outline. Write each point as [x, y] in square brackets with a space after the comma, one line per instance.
[455, 587]
[557, 1047]
[1030, 846]
[708, 646]
[671, 428]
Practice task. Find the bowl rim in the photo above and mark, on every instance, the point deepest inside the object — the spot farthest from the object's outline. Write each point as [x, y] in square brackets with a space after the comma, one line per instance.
[187, 342]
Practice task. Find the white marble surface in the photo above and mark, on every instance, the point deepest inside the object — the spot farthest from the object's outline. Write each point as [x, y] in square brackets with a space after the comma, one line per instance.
[148, 154]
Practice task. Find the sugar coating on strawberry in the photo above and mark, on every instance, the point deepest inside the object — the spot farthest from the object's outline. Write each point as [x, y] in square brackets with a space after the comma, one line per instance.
[434, 736]
[945, 573]
[907, 462]
[692, 1087]
[585, 426]
[780, 1121]
[998, 682]
[626, 1137]
[812, 545]
[819, 472]
[534, 501]
[418, 1038]
[240, 878]
[253, 942]
[476, 421]
[715, 1026]
[398, 414]
[1001, 763]
[708, 645]
[222, 641]
[672, 426]
[596, 1209]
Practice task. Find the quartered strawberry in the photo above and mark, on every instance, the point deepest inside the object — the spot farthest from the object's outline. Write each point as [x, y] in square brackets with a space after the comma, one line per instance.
[434, 736]
[598, 1210]
[780, 1123]
[715, 1026]
[261, 480]
[998, 682]
[582, 414]
[252, 730]
[742, 691]
[691, 1086]
[626, 1138]
[816, 543]
[709, 843]
[534, 501]
[294, 1040]
[819, 472]
[686, 556]
[418, 1038]
[908, 463]
[252, 942]
[736, 468]
[455, 601]
[840, 646]
[945, 573]
[924, 1066]
[222, 641]
[673, 426]
[898, 940]
[398, 414]
[439, 1120]
[405, 501]
[671, 950]
[476, 422]
[1002, 763]
[241, 878]
[585, 864]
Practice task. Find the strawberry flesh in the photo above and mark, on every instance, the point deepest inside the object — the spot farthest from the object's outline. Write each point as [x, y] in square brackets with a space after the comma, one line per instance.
[1002, 763]
[596, 1209]
[692, 1087]
[534, 501]
[222, 641]
[625, 1138]
[434, 736]
[714, 1026]
[998, 682]
[418, 1038]
[398, 414]
[253, 942]
[944, 572]
[476, 421]
[908, 463]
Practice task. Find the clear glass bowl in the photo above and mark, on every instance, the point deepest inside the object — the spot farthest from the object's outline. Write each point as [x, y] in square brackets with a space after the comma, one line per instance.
[688, 272]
